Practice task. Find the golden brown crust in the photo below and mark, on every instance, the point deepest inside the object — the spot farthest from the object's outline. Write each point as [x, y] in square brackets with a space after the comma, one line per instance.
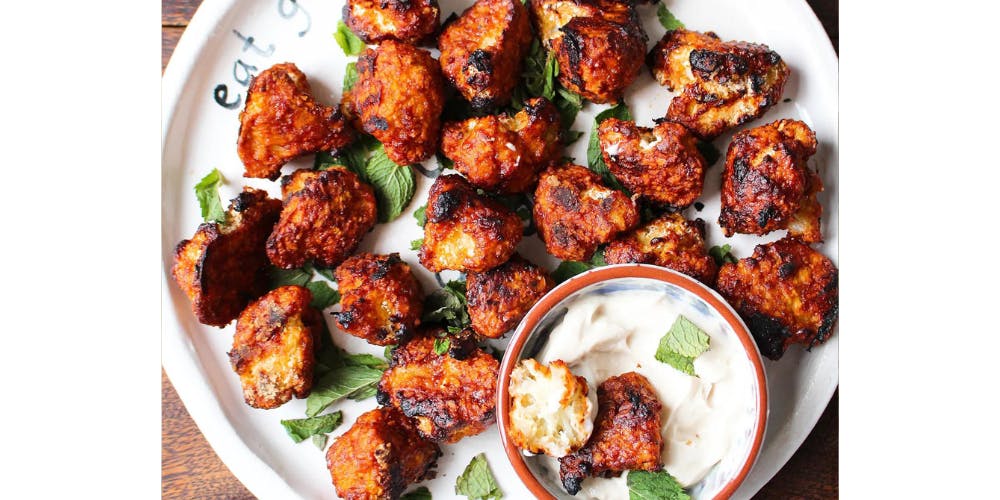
[786, 292]
[575, 212]
[281, 121]
[720, 85]
[482, 51]
[381, 301]
[668, 241]
[497, 299]
[767, 184]
[626, 433]
[273, 347]
[504, 153]
[450, 395]
[325, 216]
[466, 231]
[223, 267]
[379, 456]
[398, 98]
[662, 163]
[407, 21]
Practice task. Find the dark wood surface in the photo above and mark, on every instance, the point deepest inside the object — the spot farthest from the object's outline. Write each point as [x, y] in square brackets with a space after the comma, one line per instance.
[190, 469]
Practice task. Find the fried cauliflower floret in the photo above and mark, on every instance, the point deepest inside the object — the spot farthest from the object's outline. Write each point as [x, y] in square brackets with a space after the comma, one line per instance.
[786, 292]
[398, 98]
[549, 409]
[449, 396]
[504, 153]
[662, 163]
[767, 184]
[483, 50]
[273, 347]
[379, 456]
[575, 212]
[325, 216]
[281, 121]
[668, 241]
[626, 435]
[381, 301]
[720, 85]
[466, 231]
[223, 266]
[407, 21]
[499, 298]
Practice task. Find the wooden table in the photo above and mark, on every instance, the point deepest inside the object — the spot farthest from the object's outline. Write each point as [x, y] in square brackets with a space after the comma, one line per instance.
[192, 470]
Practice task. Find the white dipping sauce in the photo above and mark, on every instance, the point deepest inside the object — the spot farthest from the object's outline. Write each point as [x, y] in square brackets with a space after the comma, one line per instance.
[603, 335]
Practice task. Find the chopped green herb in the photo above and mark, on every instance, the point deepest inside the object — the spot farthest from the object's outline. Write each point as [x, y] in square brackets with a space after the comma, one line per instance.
[682, 344]
[365, 360]
[348, 41]
[659, 485]
[421, 493]
[337, 384]
[595, 160]
[326, 273]
[350, 76]
[549, 77]
[364, 393]
[301, 428]
[319, 440]
[416, 244]
[285, 277]
[441, 346]
[477, 482]
[388, 351]
[323, 295]
[667, 19]
[567, 269]
[447, 305]
[207, 192]
[722, 254]
[394, 185]
[421, 215]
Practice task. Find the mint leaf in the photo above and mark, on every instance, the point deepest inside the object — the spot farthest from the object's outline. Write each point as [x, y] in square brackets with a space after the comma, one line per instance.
[348, 41]
[416, 244]
[364, 393]
[285, 277]
[320, 441]
[421, 493]
[441, 346]
[548, 77]
[476, 482]
[365, 360]
[421, 215]
[337, 384]
[447, 305]
[595, 160]
[681, 363]
[444, 161]
[350, 76]
[535, 65]
[207, 192]
[326, 273]
[685, 338]
[598, 259]
[659, 485]
[301, 428]
[388, 350]
[567, 269]
[323, 295]
[667, 19]
[394, 184]
[722, 255]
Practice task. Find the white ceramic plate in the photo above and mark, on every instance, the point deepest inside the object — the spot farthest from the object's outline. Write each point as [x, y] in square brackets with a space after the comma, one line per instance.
[228, 38]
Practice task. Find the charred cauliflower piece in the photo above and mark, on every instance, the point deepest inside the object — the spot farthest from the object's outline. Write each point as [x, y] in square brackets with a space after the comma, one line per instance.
[281, 121]
[720, 85]
[381, 301]
[398, 98]
[626, 434]
[499, 298]
[379, 456]
[575, 212]
[324, 218]
[273, 347]
[662, 163]
[786, 292]
[668, 241]
[407, 21]
[450, 395]
[539, 426]
[767, 185]
[483, 50]
[503, 153]
[466, 231]
[222, 267]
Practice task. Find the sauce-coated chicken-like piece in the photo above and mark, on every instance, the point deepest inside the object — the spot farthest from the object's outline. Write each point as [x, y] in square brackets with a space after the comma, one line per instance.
[379, 456]
[504, 153]
[497, 299]
[224, 266]
[767, 184]
[720, 85]
[482, 52]
[273, 347]
[575, 212]
[662, 163]
[407, 21]
[786, 292]
[381, 300]
[398, 98]
[281, 121]
[668, 241]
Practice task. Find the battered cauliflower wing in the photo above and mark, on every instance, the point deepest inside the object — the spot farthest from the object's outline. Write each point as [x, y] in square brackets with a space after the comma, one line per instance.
[720, 85]
[668, 241]
[450, 395]
[497, 299]
[407, 21]
[539, 426]
[379, 456]
[504, 153]
[483, 50]
[767, 185]
[662, 163]
[398, 98]
[466, 231]
[381, 301]
[281, 121]
[273, 347]
[626, 437]
[223, 266]
[575, 212]
[786, 292]
[325, 216]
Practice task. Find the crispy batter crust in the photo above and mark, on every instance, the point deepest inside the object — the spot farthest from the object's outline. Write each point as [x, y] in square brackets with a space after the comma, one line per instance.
[381, 301]
[222, 267]
[407, 21]
[668, 241]
[786, 292]
[497, 299]
[281, 121]
[575, 212]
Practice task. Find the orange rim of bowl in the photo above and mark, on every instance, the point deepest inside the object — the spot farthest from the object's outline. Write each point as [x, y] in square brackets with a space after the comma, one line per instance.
[580, 281]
